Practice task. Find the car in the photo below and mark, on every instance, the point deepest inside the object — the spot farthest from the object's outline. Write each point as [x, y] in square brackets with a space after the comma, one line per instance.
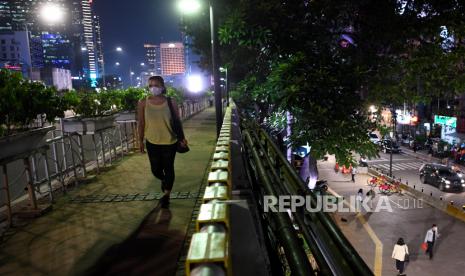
[374, 138]
[441, 176]
[387, 145]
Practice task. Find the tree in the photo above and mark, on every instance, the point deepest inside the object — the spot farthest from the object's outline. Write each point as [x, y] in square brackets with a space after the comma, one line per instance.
[325, 62]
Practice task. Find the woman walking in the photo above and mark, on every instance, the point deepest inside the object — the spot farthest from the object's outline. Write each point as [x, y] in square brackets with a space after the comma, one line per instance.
[400, 254]
[155, 126]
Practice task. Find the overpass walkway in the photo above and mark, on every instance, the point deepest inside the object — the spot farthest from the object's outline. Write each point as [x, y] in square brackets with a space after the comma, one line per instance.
[112, 224]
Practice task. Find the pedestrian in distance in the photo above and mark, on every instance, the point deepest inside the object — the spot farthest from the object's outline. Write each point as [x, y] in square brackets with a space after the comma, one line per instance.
[353, 172]
[359, 199]
[155, 126]
[430, 238]
[401, 255]
[371, 194]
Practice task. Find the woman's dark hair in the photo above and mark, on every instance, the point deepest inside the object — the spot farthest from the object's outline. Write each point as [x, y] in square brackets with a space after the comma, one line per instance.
[360, 191]
[160, 80]
[157, 78]
[400, 241]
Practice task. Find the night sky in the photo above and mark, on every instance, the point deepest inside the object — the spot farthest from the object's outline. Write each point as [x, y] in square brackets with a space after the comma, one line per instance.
[130, 24]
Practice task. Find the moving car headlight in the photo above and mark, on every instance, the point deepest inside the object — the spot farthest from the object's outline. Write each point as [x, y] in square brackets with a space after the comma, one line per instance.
[462, 181]
[447, 186]
[447, 181]
[463, 185]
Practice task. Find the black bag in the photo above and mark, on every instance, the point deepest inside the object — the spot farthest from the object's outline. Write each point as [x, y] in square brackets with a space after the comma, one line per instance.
[176, 125]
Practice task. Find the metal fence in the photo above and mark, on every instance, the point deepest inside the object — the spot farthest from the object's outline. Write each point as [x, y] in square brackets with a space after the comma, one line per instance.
[66, 159]
[288, 234]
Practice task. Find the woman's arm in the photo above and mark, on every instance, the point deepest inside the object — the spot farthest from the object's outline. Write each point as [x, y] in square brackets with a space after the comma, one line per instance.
[141, 123]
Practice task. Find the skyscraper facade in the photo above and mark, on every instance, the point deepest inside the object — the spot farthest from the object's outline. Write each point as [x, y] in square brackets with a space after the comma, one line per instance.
[98, 46]
[172, 58]
[74, 43]
[152, 58]
[5, 16]
[87, 43]
[26, 16]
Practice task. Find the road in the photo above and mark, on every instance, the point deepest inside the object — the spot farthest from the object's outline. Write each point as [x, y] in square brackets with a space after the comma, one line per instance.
[406, 166]
[373, 234]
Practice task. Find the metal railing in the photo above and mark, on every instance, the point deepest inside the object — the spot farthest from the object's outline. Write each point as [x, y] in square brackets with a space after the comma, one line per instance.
[68, 157]
[273, 175]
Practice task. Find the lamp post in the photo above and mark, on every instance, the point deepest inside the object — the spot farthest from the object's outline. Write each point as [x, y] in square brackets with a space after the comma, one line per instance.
[394, 123]
[191, 6]
[225, 70]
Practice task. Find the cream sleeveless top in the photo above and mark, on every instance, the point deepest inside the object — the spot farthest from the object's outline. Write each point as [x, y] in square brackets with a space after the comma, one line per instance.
[158, 124]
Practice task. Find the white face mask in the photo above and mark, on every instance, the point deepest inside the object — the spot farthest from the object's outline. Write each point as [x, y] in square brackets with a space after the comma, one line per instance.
[156, 90]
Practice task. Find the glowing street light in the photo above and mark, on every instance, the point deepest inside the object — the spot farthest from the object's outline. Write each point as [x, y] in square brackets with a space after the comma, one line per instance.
[132, 73]
[52, 13]
[117, 63]
[119, 49]
[83, 49]
[142, 64]
[189, 6]
[194, 83]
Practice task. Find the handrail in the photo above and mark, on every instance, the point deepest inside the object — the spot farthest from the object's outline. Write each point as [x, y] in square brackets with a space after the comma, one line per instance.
[331, 250]
[295, 254]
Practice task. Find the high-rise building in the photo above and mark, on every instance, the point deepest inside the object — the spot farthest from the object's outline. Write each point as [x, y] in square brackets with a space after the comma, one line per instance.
[86, 42]
[89, 39]
[56, 46]
[152, 58]
[14, 51]
[172, 58]
[5, 16]
[98, 46]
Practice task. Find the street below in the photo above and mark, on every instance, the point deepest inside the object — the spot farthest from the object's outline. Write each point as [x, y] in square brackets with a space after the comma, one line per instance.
[406, 166]
[374, 234]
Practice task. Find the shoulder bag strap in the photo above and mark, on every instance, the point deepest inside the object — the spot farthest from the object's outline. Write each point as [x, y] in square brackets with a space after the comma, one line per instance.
[175, 121]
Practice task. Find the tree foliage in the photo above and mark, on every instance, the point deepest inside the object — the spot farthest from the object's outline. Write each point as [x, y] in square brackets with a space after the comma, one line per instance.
[326, 61]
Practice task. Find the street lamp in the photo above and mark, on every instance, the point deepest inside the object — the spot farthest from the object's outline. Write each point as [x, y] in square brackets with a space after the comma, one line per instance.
[119, 49]
[52, 13]
[225, 70]
[142, 64]
[117, 63]
[190, 7]
[394, 123]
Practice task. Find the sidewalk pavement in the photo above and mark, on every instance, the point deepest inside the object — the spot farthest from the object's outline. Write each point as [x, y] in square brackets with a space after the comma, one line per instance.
[374, 234]
[77, 236]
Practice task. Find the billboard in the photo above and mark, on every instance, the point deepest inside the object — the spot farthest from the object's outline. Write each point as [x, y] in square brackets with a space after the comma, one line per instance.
[445, 121]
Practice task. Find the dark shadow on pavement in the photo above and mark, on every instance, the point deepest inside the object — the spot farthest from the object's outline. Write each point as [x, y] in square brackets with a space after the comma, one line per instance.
[152, 249]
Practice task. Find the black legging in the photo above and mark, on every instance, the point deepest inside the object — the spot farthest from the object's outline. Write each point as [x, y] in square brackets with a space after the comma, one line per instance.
[162, 162]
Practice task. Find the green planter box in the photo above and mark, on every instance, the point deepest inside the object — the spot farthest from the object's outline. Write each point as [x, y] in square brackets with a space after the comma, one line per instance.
[85, 126]
[126, 116]
[14, 145]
